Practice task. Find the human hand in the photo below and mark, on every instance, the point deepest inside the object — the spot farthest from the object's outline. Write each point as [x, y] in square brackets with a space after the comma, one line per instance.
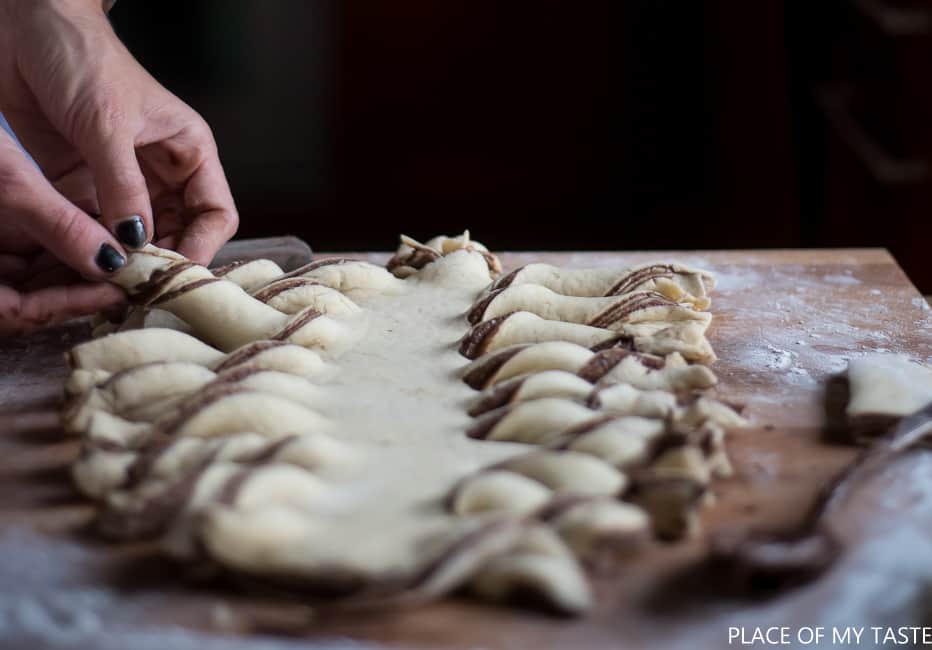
[111, 141]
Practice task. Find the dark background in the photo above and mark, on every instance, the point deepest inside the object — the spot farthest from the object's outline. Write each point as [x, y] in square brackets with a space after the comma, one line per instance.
[641, 124]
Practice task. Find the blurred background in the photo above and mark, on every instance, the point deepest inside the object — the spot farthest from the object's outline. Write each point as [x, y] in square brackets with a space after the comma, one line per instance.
[642, 124]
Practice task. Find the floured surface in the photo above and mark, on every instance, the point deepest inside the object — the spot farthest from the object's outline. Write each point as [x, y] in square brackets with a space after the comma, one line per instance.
[779, 469]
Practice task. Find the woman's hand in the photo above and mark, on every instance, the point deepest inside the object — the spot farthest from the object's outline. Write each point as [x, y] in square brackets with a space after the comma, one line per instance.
[108, 140]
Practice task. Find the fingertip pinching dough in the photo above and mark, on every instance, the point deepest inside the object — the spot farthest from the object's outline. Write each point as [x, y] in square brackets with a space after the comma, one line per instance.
[390, 434]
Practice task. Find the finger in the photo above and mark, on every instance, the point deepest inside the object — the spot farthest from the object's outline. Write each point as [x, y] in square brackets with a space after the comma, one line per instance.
[169, 241]
[28, 200]
[12, 267]
[169, 214]
[207, 195]
[22, 312]
[122, 194]
[45, 261]
[78, 187]
[46, 271]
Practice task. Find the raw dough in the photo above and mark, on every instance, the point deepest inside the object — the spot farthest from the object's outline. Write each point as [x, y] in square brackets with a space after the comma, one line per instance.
[677, 282]
[884, 388]
[328, 434]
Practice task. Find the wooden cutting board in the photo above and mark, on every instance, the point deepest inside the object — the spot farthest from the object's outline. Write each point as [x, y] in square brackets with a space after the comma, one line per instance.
[785, 321]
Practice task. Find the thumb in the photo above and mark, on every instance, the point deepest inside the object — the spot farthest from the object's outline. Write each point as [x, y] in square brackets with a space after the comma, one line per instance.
[122, 194]
[29, 200]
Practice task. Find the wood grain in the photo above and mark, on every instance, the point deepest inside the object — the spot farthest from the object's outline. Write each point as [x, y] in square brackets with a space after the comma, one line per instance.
[785, 322]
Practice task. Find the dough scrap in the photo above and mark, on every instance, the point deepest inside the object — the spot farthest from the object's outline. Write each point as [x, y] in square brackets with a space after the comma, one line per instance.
[884, 388]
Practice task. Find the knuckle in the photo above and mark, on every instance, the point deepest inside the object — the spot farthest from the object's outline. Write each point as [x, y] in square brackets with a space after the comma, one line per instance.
[19, 315]
[102, 115]
[109, 108]
[110, 111]
[230, 221]
[127, 183]
[11, 308]
[195, 146]
[199, 130]
[188, 158]
[34, 315]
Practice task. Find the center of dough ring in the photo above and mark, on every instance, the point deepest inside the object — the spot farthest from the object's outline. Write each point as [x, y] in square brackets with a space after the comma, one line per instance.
[388, 435]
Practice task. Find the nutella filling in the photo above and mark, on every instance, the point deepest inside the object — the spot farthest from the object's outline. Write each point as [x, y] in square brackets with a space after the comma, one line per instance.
[630, 281]
[479, 338]
[506, 280]
[183, 289]
[198, 403]
[603, 362]
[307, 268]
[270, 291]
[499, 396]
[416, 259]
[221, 271]
[621, 310]
[246, 353]
[480, 376]
[484, 425]
[147, 291]
[478, 311]
[296, 323]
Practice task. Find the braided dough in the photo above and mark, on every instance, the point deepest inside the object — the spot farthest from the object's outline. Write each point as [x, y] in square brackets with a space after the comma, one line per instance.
[388, 435]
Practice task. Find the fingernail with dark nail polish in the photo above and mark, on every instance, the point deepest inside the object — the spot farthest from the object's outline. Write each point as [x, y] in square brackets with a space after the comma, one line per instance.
[131, 232]
[109, 259]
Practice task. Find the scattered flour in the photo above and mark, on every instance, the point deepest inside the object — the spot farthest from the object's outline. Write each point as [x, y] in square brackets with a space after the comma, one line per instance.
[780, 359]
[841, 279]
